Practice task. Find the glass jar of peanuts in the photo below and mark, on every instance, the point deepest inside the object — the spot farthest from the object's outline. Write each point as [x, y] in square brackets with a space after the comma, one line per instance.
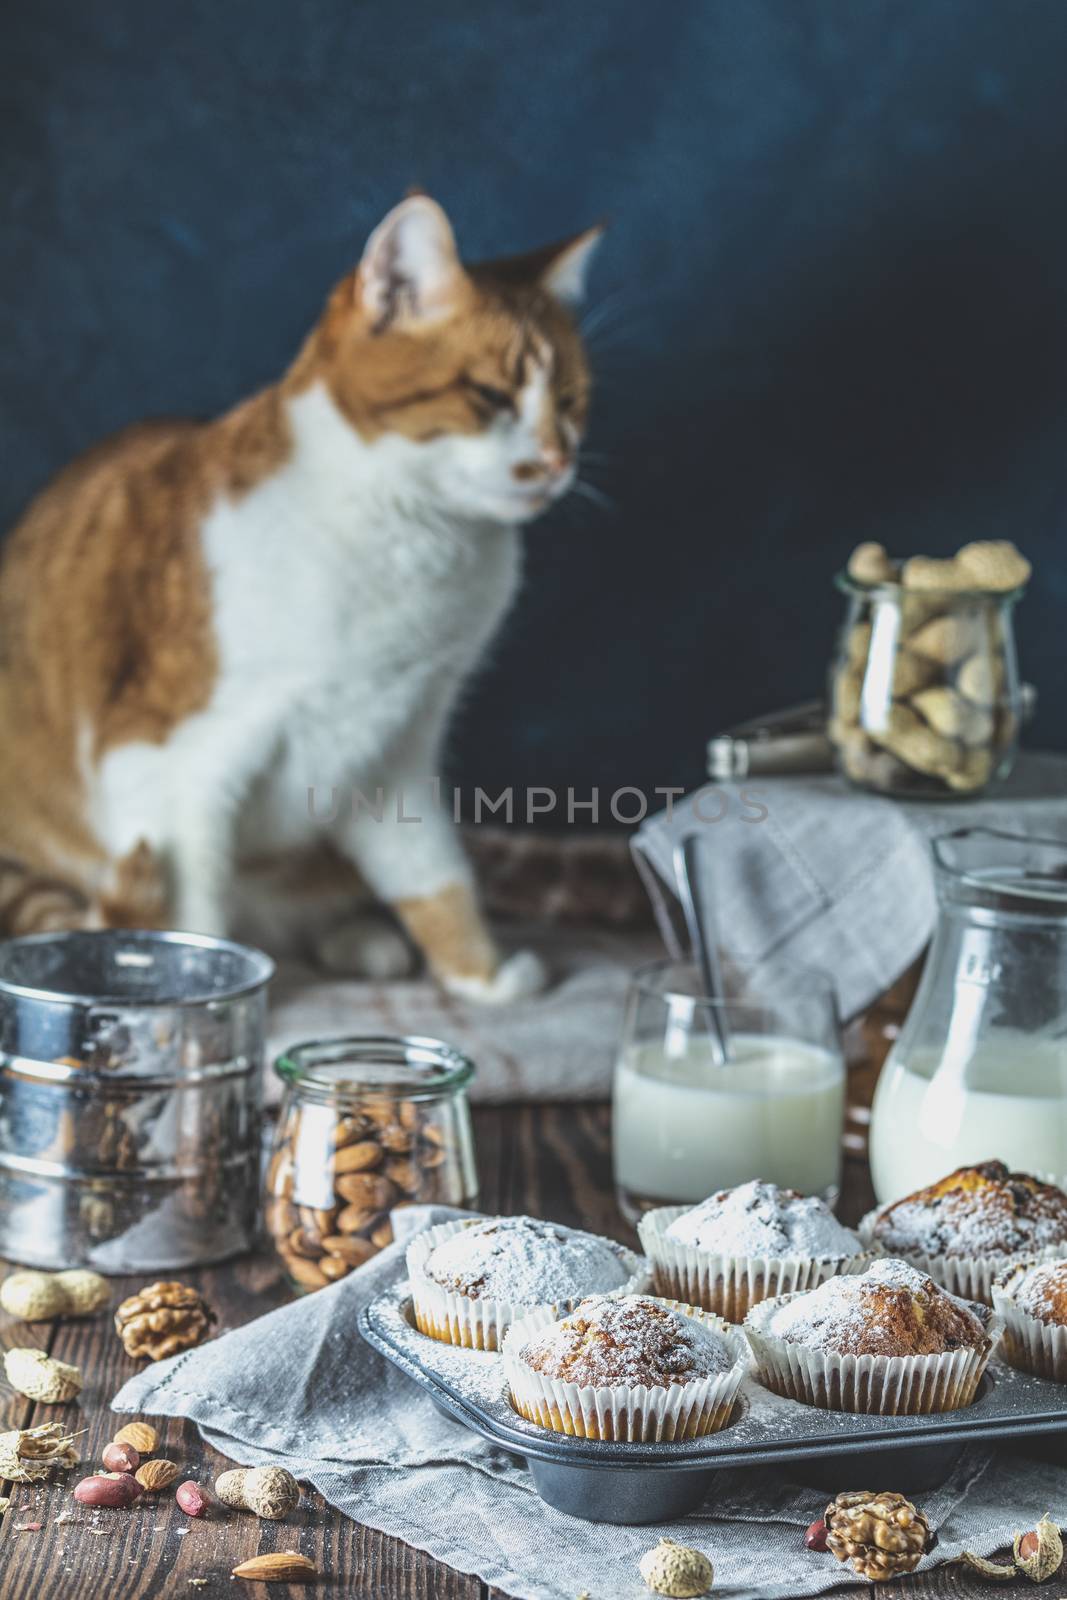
[367, 1125]
[925, 699]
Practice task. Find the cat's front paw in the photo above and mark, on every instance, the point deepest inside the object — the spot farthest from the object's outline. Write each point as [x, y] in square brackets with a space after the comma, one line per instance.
[517, 978]
[365, 946]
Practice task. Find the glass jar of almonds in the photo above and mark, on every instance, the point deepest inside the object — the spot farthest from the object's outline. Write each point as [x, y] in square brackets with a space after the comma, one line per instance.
[367, 1125]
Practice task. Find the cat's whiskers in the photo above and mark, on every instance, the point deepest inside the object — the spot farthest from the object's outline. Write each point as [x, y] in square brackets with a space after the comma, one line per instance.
[589, 491]
[617, 314]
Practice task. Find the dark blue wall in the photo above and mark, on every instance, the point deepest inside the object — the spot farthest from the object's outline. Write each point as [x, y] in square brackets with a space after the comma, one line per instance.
[833, 296]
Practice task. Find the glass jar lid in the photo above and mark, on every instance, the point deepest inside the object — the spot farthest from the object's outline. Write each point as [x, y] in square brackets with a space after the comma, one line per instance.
[893, 590]
[410, 1067]
[991, 870]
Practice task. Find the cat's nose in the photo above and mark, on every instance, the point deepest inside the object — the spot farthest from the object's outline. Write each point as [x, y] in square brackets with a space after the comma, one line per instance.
[550, 463]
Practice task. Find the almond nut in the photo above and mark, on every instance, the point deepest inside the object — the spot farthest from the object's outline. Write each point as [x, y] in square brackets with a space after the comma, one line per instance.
[382, 1235]
[357, 1157]
[157, 1474]
[349, 1129]
[405, 1174]
[356, 1219]
[397, 1140]
[349, 1247]
[304, 1272]
[316, 1220]
[141, 1435]
[303, 1243]
[280, 1566]
[367, 1189]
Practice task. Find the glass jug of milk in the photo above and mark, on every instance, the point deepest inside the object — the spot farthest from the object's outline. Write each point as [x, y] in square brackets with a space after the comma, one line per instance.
[687, 1123]
[980, 1068]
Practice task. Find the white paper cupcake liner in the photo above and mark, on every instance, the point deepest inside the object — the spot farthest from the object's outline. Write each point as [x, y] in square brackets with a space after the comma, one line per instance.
[969, 1277]
[638, 1413]
[481, 1324]
[871, 1385]
[1027, 1342]
[729, 1285]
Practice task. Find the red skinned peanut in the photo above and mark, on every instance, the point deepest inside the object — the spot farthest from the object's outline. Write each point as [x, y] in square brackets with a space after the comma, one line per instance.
[101, 1490]
[192, 1499]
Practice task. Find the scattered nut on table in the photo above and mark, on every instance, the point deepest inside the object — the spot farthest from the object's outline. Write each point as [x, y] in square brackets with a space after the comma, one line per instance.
[157, 1474]
[192, 1499]
[162, 1319]
[882, 1535]
[279, 1566]
[675, 1569]
[41, 1377]
[120, 1457]
[28, 1455]
[141, 1435]
[1039, 1553]
[41, 1296]
[270, 1492]
[117, 1492]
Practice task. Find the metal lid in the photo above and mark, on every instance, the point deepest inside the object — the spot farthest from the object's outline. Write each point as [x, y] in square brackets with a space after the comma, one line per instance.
[129, 967]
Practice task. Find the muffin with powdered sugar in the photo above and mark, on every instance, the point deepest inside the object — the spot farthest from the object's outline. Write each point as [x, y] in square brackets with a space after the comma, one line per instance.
[968, 1227]
[630, 1367]
[744, 1245]
[887, 1340]
[1032, 1299]
[470, 1280]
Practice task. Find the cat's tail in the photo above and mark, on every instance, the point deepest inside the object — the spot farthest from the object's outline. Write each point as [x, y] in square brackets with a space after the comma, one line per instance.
[30, 902]
[132, 894]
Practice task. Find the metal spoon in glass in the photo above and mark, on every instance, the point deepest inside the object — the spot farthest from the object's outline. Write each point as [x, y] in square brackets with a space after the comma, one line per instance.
[700, 923]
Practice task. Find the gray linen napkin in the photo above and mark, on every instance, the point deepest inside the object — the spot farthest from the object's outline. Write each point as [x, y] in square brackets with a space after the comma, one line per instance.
[300, 1388]
[828, 876]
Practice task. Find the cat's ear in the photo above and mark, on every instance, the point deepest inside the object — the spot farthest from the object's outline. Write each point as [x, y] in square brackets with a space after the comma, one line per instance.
[567, 268]
[411, 272]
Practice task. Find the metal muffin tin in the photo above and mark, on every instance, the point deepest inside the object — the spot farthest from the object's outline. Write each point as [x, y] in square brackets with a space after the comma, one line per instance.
[604, 1481]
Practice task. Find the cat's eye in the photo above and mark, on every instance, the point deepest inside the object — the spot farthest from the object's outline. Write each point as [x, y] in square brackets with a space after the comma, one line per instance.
[496, 399]
[566, 401]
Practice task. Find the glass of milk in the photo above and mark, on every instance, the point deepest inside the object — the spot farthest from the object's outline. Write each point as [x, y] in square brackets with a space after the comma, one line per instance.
[979, 1071]
[686, 1124]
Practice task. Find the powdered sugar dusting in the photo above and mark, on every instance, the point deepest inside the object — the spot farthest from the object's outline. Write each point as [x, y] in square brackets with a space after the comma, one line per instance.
[869, 1314]
[526, 1262]
[627, 1339]
[980, 1211]
[759, 1219]
[1042, 1292]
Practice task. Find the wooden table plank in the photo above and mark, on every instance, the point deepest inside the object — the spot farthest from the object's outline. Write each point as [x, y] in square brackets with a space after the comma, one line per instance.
[552, 1161]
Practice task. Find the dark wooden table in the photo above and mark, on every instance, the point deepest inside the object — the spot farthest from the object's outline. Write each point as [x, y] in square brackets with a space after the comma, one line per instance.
[551, 1161]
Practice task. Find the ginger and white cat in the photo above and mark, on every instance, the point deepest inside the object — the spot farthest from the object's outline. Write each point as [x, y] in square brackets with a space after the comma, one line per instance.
[202, 622]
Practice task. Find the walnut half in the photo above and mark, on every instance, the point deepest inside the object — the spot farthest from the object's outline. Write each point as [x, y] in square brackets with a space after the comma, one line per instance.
[881, 1534]
[162, 1319]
